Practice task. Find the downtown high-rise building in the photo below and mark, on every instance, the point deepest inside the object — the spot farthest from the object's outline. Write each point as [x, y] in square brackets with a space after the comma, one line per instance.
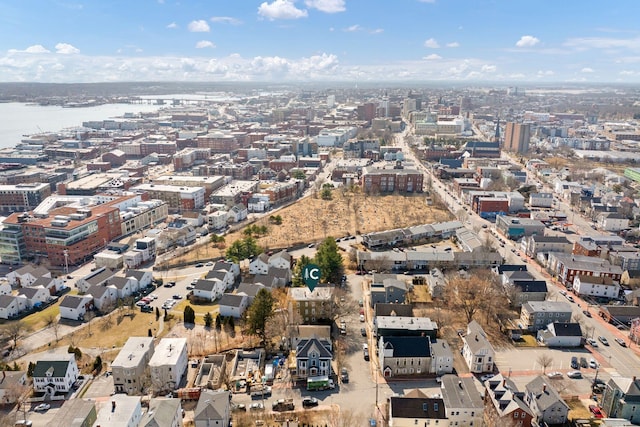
[516, 137]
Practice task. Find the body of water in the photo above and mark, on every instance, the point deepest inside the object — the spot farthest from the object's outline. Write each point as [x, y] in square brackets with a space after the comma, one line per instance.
[18, 119]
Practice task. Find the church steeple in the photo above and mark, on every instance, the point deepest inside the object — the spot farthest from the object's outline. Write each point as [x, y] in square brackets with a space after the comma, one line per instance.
[496, 138]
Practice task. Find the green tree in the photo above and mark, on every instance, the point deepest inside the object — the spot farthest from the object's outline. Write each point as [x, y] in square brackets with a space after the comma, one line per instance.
[243, 249]
[157, 314]
[189, 315]
[218, 322]
[208, 320]
[329, 260]
[325, 194]
[298, 174]
[297, 270]
[30, 369]
[260, 311]
[97, 364]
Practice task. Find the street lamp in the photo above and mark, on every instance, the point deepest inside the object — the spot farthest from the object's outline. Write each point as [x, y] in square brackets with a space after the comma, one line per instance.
[66, 261]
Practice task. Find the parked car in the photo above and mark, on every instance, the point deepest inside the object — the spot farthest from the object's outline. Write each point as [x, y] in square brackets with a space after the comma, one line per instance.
[362, 317]
[603, 340]
[592, 342]
[198, 265]
[574, 363]
[555, 375]
[597, 413]
[593, 364]
[486, 377]
[621, 342]
[42, 407]
[586, 313]
[583, 362]
[363, 332]
[574, 374]
[239, 408]
[309, 402]
[257, 406]
[366, 354]
[570, 298]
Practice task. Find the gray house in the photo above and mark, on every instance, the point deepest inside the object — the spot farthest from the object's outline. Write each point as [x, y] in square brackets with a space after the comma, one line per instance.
[545, 402]
[213, 409]
[621, 398]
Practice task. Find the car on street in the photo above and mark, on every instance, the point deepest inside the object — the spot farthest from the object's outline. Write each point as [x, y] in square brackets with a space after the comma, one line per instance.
[593, 364]
[257, 406]
[365, 346]
[198, 265]
[309, 402]
[344, 375]
[146, 308]
[486, 377]
[586, 313]
[363, 332]
[360, 303]
[570, 298]
[362, 317]
[141, 303]
[366, 354]
[603, 340]
[177, 296]
[592, 342]
[209, 264]
[42, 407]
[621, 342]
[189, 287]
[154, 296]
[555, 375]
[574, 374]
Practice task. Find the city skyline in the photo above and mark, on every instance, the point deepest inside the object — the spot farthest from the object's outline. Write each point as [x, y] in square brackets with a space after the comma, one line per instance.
[320, 41]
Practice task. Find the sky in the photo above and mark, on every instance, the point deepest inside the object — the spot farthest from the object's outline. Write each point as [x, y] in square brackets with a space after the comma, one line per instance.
[529, 41]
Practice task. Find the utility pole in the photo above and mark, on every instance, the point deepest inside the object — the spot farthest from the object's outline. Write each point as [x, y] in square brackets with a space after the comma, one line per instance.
[66, 261]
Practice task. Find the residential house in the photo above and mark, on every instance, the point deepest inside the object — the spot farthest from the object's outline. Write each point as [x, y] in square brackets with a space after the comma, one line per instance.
[280, 259]
[462, 401]
[561, 335]
[5, 288]
[11, 306]
[233, 305]
[547, 406]
[313, 358]
[404, 356]
[621, 398]
[566, 267]
[12, 386]
[383, 309]
[596, 287]
[225, 276]
[238, 213]
[521, 287]
[250, 290]
[436, 283]
[128, 368]
[125, 286]
[213, 409]
[304, 332]
[77, 413]
[441, 357]
[618, 314]
[52, 285]
[275, 277]
[74, 307]
[144, 278]
[259, 264]
[97, 277]
[540, 244]
[631, 278]
[611, 221]
[311, 306]
[394, 325]
[416, 409]
[36, 296]
[536, 315]
[163, 412]
[25, 276]
[391, 291]
[504, 404]
[477, 351]
[231, 267]
[104, 297]
[209, 290]
[169, 364]
[55, 375]
[124, 411]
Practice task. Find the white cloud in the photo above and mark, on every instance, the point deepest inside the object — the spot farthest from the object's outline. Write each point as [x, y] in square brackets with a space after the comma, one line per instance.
[453, 44]
[487, 68]
[527, 41]
[226, 20]
[432, 57]
[66, 49]
[545, 73]
[583, 43]
[427, 1]
[36, 48]
[327, 6]
[199, 26]
[172, 26]
[353, 28]
[431, 43]
[586, 70]
[204, 44]
[627, 73]
[377, 31]
[281, 9]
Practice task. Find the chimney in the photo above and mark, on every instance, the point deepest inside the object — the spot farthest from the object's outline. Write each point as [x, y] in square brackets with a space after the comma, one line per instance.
[504, 382]
[113, 406]
[460, 384]
[544, 387]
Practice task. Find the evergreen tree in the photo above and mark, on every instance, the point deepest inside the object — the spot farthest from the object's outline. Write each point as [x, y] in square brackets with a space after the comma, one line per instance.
[208, 320]
[260, 311]
[218, 322]
[189, 315]
[329, 260]
[297, 270]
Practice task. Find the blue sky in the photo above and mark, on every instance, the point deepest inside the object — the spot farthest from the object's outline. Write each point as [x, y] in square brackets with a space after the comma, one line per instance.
[320, 40]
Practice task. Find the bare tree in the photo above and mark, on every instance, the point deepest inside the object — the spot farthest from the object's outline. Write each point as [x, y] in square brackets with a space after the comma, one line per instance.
[544, 360]
[469, 295]
[53, 323]
[15, 331]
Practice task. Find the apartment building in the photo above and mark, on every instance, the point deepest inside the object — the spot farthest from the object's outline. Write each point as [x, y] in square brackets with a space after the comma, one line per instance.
[177, 198]
[516, 137]
[22, 197]
[377, 180]
[311, 306]
[169, 364]
[536, 315]
[129, 366]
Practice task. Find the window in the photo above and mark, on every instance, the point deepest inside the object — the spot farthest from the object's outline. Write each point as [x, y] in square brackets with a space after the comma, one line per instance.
[435, 407]
[515, 415]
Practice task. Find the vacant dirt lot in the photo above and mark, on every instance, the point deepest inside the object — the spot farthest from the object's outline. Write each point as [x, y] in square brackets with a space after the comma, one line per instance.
[348, 212]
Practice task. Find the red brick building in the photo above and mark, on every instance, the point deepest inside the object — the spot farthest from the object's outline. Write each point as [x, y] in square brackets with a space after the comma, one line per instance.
[218, 142]
[392, 180]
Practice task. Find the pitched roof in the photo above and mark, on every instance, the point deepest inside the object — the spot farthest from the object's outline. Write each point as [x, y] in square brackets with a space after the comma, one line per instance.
[30, 292]
[59, 367]
[250, 289]
[460, 392]
[6, 300]
[567, 329]
[42, 281]
[119, 282]
[72, 301]
[205, 285]
[98, 276]
[137, 274]
[231, 300]
[212, 405]
[161, 412]
[544, 394]
[417, 408]
[408, 346]
[476, 338]
[307, 345]
[531, 286]
[216, 274]
[384, 309]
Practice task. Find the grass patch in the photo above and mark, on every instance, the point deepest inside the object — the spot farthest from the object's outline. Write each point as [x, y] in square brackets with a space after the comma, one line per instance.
[526, 341]
[199, 309]
[420, 294]
[579, 411]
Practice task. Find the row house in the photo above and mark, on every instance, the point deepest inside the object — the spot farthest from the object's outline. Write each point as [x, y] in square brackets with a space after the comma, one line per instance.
[74, 307]
[596, 286]
[536, 315]
[129, 366]
[413, 356]
[566, 267]
[540, 244]
[504, 405]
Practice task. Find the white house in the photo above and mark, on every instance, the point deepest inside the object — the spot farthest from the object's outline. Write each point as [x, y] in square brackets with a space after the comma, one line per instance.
[259, 265]
[280, 259]
[168, 364]
[35, 295]
[230, 267]
[104, 297]
[462, 400]
[238, 213]
[217, 220]
[225, 276]
[612, 221]
[163, 412]
[52, 284]
[11, 305]
[561, 335]
[97, 277]
[541, 200]
[74, 307]
[209, 289]
[596, 286]
[477, 350]
[56, 375]
[5, 288]
[233, 305]
[144, 278]
[125, 286]
[122, 411]
[213, 409]
[26, 275]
